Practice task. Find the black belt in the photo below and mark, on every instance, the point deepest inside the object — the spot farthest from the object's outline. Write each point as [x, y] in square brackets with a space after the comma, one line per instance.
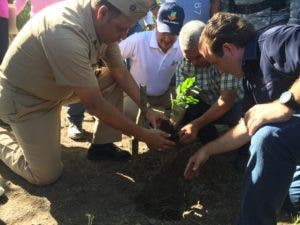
[249, 8]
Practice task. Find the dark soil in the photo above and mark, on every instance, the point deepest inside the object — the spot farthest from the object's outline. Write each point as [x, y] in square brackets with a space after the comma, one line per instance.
[162, 196]
[148, 190]
[167, 127]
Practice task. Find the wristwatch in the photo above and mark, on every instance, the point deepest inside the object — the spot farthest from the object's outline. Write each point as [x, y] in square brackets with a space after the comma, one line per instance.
[287, 99]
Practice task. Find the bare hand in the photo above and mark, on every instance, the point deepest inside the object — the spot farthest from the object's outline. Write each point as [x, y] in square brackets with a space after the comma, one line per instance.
[261, 114]
[188, 133]
[154, 117]
[195, 161]
[158, 139]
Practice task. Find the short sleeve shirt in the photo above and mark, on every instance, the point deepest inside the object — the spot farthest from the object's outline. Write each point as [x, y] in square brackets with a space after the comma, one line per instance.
[209, 81]
[272, 63]
[149, 64]
[56, 50]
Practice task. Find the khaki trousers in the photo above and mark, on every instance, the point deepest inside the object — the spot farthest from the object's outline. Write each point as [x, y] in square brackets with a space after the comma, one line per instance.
[112, 93]
[158, 102]
[32, 149]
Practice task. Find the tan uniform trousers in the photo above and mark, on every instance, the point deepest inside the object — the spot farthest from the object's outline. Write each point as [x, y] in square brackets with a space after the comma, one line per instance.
[33, 150]
[158, 102]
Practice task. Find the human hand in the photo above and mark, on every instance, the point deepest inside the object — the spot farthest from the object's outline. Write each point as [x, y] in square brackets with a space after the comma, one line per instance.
[195, 161]
[261, 114]
[188, 133]
[158, 139]
[154, 117]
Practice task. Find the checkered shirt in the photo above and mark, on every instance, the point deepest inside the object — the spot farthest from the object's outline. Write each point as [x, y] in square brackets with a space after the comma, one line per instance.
[209, 80]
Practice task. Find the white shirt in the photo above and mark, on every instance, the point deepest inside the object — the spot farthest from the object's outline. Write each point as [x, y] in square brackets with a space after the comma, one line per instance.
[147, 20]
[149, 64]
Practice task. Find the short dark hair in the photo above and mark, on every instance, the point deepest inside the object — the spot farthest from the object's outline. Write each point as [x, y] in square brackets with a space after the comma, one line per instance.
[113, 11]
[227, 28]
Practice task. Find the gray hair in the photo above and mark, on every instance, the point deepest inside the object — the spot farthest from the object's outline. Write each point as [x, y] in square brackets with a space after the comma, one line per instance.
[190, 34]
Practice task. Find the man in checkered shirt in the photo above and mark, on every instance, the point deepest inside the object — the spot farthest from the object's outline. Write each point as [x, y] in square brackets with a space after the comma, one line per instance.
[219, 93]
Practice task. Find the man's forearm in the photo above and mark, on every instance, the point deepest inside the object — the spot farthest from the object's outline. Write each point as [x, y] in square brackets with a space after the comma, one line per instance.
[233, 139]
[295, 89]
[111, 116]
[216, 111]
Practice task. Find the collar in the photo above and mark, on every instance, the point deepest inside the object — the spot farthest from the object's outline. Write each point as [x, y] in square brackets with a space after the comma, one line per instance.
[250, 52]
[88, 21]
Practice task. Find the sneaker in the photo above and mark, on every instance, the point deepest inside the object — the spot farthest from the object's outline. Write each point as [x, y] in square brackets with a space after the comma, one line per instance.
[107, 152]
[74, 131]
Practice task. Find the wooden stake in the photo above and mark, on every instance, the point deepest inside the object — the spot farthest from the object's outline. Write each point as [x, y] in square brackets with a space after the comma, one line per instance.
[140, 119]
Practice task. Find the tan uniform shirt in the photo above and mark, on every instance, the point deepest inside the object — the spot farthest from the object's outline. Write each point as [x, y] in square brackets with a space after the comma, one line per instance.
[54, 51]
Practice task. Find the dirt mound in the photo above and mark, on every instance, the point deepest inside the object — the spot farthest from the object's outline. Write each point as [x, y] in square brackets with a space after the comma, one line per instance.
[139, 192]
[162, 195]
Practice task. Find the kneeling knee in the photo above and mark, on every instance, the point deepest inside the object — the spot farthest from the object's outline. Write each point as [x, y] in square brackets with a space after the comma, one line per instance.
[47, 176]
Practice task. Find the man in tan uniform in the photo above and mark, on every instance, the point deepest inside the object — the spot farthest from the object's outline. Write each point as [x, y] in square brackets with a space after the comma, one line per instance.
[50, 61]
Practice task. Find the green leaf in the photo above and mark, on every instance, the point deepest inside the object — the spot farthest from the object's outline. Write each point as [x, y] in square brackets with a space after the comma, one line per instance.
[184, 93]
[190, 82]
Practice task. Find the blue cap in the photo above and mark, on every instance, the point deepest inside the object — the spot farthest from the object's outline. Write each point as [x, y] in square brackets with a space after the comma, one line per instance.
[170, 18]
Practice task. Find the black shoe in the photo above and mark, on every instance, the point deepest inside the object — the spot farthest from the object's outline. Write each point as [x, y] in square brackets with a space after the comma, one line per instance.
[107, 152]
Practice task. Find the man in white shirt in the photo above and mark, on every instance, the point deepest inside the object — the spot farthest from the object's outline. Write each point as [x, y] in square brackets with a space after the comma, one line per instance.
[154, 56]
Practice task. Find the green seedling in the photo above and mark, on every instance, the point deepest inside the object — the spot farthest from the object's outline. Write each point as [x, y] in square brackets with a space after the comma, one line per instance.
[185, 93]
[185, 96]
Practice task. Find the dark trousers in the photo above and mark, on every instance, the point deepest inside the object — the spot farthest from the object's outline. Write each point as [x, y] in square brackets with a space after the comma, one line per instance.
[209, 132]
[3, 37]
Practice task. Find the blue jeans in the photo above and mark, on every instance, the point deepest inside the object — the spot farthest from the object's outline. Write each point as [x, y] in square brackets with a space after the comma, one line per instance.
[292, 202]
[270, 173]
[209, 132]
[75, 113]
